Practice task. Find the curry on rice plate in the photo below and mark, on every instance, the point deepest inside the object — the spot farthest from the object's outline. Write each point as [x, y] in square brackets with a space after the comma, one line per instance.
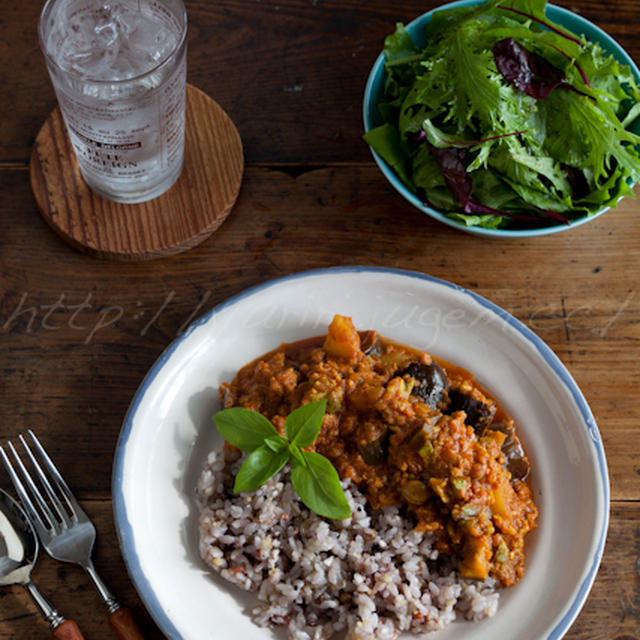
[416, 441]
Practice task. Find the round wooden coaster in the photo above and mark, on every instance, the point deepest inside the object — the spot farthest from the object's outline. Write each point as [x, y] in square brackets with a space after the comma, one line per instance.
[182, 217]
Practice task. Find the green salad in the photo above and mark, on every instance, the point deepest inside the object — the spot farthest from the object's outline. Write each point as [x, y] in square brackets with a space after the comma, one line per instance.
[507, 120]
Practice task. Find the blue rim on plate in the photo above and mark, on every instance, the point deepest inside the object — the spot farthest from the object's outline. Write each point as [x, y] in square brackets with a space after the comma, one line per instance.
[124, 528]
[374, 90]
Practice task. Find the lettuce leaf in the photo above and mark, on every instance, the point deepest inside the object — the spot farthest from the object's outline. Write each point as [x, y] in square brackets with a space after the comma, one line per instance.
[386, 141]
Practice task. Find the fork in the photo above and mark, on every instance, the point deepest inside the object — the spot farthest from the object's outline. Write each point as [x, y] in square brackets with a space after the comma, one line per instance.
[68, 534]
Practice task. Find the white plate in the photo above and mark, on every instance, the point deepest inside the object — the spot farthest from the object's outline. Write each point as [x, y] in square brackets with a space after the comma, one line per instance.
[168, 432]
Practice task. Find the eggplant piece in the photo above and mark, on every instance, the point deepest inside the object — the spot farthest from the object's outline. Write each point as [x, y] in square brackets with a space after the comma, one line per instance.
[517, 462]
[479, 414]
[431, 382]
[375, 450]
[370, 343]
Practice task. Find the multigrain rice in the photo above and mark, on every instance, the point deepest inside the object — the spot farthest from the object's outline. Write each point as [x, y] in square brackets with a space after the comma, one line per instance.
[371, 574]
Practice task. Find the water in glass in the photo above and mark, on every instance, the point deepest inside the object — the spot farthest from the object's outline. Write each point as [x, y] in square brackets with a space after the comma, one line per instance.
[119, 70]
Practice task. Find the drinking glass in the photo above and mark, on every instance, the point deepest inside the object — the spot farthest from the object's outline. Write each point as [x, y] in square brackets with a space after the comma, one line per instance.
[118, 68]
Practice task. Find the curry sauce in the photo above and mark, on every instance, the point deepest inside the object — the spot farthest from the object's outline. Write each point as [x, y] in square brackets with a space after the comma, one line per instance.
[411, 430]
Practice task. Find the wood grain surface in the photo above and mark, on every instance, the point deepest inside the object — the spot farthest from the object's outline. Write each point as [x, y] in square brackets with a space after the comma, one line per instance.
[77, 335]
[179, 219]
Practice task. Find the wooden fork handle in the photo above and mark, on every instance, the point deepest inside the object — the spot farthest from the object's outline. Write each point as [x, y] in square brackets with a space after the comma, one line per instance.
[124, 625]
[68, 630]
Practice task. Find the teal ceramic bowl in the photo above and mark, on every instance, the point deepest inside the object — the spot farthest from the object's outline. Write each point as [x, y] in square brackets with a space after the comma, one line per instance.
[375, 88]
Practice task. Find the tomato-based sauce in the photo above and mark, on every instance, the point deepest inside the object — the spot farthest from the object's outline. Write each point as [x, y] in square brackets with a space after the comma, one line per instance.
[408, 429]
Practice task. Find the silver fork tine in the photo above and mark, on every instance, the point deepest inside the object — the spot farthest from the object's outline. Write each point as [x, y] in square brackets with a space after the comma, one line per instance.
[64, 489]
[34, 514]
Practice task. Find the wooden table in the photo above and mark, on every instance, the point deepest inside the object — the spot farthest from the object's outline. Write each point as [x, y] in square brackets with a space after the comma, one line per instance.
[78, 334]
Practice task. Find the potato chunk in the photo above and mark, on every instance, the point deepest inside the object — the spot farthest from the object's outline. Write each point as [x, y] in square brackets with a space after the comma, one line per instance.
[343, 340]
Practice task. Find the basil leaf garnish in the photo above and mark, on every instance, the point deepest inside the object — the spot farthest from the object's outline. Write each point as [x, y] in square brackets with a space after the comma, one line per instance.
[313, 476]
[243, 428]
[276, 443]
[318, 486]
[259, 466]
[295, 455]
[303, 425]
